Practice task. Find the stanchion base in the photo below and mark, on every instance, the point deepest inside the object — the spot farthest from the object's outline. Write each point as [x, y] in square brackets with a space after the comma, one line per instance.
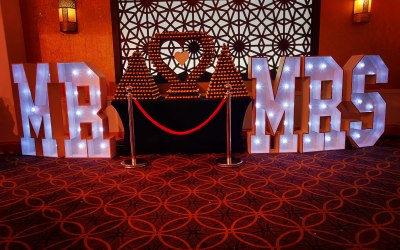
[139, 163]
[223, 163]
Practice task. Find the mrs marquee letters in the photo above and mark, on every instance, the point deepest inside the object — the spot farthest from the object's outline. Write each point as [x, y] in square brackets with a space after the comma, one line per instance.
[322, 105]
[62, 107]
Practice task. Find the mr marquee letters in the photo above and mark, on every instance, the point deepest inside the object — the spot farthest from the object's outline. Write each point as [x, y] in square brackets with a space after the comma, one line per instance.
[62, 107]
[62, 110]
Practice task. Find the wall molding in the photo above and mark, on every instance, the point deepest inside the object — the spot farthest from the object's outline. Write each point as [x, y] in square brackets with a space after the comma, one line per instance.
[10, 147]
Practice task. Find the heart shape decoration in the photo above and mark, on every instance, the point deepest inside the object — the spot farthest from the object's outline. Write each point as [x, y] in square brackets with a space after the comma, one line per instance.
[154, 52]
[181, 57]
[172, 50]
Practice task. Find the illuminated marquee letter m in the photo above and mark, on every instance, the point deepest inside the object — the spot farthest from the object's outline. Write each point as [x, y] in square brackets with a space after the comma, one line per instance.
[33, 92]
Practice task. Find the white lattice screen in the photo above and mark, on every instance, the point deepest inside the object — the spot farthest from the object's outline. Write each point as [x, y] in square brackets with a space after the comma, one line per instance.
[272, 28]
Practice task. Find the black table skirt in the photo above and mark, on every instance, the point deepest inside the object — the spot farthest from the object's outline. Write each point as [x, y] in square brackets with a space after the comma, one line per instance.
[182, 115]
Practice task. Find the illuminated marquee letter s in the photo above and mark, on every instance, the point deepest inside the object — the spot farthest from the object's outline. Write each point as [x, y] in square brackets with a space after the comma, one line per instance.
[371, 105]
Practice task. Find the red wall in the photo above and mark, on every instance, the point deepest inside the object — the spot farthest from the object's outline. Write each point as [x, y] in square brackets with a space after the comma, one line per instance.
[93, 43]
[341, 38]
[11, 51]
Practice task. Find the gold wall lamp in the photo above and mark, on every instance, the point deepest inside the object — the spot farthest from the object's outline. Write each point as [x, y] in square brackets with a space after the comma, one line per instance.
[67, 16]
[362, 11]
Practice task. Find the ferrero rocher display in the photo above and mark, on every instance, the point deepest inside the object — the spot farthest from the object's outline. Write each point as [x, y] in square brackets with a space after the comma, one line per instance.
[187, 89]
[138, 76]
[226, 73]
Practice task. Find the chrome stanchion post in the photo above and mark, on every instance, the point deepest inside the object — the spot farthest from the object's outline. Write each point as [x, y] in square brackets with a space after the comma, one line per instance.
[133, 162]
[228, 161]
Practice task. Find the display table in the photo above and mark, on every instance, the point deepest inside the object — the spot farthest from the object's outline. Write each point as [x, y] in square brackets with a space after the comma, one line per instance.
[181, 115]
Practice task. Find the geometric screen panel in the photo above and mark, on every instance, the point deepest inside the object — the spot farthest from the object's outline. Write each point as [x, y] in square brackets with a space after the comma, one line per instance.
[271, 28]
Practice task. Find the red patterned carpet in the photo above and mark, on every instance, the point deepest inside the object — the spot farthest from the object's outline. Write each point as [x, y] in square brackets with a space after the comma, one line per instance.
[347, 199]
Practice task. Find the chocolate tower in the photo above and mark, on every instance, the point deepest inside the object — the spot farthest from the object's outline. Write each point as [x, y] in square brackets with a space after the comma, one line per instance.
[138, 76]
[226, 72]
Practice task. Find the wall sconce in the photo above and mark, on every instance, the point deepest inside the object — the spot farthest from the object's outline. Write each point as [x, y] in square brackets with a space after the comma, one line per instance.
[362, 11]
[67, 16]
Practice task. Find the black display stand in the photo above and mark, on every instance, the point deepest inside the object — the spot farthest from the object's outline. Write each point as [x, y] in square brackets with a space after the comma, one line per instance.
[181, 115]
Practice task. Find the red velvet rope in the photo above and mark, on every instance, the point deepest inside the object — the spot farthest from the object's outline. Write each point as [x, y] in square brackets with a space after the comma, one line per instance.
[180, 132]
